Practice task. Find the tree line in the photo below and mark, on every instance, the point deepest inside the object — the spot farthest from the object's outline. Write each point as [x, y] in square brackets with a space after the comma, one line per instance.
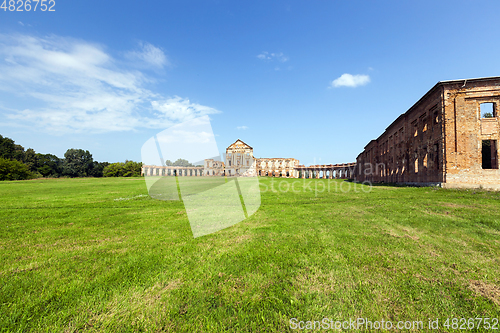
[17, 163]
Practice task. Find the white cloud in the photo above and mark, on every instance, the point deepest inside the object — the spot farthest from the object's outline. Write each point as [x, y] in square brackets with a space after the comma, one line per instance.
[68, 85]
[180, 109]
[272, 56]
[349, 80]
[242, 127]
[149, 55]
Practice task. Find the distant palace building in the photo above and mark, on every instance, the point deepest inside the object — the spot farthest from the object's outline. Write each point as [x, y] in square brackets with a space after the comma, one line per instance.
[241, 162]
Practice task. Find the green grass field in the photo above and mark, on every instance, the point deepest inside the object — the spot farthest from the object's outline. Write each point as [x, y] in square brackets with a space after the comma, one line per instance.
[100, 255]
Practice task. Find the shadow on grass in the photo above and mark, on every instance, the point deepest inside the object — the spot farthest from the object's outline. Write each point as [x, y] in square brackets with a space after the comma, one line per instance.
[376, 184]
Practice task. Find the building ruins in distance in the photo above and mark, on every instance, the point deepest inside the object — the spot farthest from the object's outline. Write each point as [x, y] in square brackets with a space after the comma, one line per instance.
[448, 138]
[241, 162]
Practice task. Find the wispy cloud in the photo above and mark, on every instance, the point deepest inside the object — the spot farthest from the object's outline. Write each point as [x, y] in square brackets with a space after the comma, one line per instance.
[242, 127]
[273, 56]
[349, 80]
[149, 55]
[180, 109]
[76, 86]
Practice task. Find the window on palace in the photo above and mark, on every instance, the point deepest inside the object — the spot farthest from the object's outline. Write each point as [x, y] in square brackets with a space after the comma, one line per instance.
[436, 156]
[487, 110]
[415, 128]
[416, 162]
[489, 154]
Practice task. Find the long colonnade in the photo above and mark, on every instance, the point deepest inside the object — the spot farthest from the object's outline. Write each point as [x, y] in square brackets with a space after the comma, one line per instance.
[153, 170]
[329, 171]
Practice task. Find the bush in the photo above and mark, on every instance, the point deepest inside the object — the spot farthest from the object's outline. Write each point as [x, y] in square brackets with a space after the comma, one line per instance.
[120, 169]
[36, 174]
[113, 170]
[14, 170]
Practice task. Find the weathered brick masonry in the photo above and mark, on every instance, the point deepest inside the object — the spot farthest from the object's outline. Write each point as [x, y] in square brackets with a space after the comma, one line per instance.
[443, 139]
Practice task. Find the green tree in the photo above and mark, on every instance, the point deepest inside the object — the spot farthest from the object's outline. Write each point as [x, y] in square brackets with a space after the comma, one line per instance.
[13, 170]
[9, 150]
[98, 169]
[77, 163]
[183, 163]
[113, 170]
[31, 159]
[132, 169]
[49, 165]
[6, 148]
[120, 169]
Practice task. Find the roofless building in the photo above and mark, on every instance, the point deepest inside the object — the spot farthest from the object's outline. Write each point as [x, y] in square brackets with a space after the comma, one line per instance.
[448, 138]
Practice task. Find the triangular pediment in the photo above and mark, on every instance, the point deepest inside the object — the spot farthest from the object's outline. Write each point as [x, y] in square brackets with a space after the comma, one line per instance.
[239, 144]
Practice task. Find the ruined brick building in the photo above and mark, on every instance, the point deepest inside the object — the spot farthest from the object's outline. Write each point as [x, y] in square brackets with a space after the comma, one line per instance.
[448, 138]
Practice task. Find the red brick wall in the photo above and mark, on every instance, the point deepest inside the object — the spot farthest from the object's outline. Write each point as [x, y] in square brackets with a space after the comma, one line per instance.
[438, 140]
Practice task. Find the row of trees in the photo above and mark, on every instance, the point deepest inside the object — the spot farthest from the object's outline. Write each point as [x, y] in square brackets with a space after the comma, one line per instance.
[133, 169]
[16, 163]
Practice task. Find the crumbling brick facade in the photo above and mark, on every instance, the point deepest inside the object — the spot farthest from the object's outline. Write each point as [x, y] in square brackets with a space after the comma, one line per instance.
[443, 139]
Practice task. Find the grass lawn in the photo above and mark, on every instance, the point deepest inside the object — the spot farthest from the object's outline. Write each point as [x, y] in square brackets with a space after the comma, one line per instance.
[100, 255]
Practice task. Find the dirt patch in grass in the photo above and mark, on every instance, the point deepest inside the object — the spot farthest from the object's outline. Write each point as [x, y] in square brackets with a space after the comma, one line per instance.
[135, 303]
[32, 267]
[233, 284]
[454, 205]
[118, 251]
[315, 280]
[445, 214]
[487, 290]
[415, 238]
[238, 239]
[434, 254]
[423, 278]
[393, 235]
[404, 234]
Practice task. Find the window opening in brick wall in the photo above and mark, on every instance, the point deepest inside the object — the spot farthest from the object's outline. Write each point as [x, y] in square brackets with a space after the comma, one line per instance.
[416, 162]
[436, 156]
[489, 154]
[487, 110]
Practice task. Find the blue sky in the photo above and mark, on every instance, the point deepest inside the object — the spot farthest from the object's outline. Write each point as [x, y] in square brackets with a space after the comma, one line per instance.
[313, 80]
